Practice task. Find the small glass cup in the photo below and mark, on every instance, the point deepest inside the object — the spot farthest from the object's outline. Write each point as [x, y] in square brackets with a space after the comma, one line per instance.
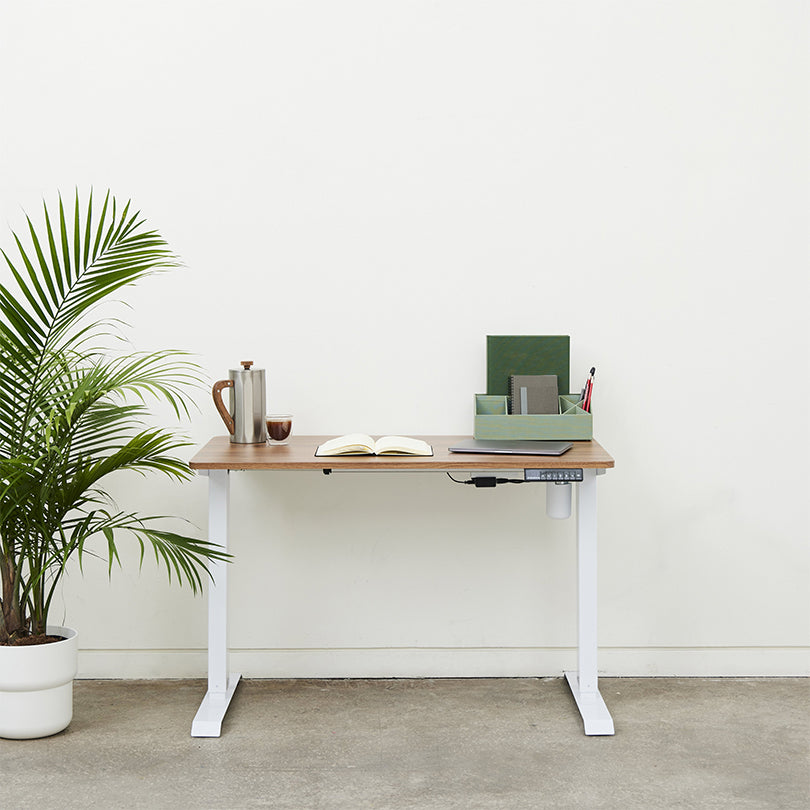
[279, 427]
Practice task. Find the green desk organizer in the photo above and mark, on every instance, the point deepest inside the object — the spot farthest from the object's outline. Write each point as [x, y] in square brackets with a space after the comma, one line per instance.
[493, 420]
[528, 354]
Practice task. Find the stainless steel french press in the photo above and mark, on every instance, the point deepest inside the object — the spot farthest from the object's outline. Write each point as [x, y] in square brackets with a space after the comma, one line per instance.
[245, 419]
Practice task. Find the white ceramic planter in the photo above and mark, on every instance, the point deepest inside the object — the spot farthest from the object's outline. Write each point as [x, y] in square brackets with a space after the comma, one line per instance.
[36, 686]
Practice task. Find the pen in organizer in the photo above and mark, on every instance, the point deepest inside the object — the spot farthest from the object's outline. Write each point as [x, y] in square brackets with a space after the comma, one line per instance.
[585, 396]
[590, 391]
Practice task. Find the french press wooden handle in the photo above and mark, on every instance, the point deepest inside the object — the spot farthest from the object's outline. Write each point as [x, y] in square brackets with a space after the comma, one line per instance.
[216, 391]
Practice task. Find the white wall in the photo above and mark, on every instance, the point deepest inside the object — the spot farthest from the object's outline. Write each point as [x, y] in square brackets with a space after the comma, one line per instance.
[361, 192]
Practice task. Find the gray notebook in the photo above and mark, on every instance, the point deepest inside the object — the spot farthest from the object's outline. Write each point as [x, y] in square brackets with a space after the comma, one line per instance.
[528, 447]
[534, 393]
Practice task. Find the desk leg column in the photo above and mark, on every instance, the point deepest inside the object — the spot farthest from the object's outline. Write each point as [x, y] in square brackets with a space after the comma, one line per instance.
[221, 684]
[584, 682]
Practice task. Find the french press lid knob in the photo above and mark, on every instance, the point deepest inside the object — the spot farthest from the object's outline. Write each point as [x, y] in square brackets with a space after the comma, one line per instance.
[247, 364]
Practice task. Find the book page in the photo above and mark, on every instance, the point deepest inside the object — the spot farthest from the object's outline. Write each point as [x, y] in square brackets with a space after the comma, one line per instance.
[391, 445]
[350, 443]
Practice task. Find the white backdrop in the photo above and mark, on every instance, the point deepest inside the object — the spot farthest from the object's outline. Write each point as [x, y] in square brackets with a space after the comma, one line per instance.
[361, 192]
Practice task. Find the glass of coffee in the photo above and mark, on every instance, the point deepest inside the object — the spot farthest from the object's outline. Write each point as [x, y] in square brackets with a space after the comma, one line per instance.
[279, 427]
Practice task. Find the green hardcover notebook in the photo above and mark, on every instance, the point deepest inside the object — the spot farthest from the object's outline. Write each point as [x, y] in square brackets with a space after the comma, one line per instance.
[527, 354]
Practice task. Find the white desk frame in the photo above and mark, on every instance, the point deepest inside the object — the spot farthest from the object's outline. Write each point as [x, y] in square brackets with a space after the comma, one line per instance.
[583, 682]
[221, 683]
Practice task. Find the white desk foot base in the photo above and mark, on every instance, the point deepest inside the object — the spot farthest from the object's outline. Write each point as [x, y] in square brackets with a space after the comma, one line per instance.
[209, 717]
[594, 713]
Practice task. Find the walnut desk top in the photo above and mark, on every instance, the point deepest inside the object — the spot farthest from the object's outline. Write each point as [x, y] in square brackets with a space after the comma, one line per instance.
[220, 454]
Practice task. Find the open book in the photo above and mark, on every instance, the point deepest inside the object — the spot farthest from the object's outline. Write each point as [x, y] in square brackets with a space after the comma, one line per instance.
[358, 444]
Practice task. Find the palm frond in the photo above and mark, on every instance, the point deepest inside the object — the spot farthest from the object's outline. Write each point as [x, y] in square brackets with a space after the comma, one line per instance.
[72, 413]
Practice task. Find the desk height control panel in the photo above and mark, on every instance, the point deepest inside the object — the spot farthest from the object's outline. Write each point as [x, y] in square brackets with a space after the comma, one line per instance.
[556, 476]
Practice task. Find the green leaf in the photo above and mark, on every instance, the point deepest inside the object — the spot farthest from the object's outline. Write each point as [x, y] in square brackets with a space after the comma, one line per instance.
[56, 270]
[112, 551]
[77, 240]
[43, 265]
[69, 275]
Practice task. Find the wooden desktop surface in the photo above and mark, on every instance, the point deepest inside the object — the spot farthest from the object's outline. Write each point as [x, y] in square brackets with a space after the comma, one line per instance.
[299, 454]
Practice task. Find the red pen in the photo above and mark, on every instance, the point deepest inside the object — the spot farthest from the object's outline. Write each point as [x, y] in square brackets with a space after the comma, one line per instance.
[586, 405]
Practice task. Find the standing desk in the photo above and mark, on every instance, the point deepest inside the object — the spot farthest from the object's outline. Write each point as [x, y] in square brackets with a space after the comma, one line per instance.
[219, 458]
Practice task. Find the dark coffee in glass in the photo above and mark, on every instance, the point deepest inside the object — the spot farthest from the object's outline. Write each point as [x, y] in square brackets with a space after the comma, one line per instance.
[279, 427]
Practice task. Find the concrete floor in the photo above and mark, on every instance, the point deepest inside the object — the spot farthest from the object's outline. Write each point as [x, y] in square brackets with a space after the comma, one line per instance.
[423, 744]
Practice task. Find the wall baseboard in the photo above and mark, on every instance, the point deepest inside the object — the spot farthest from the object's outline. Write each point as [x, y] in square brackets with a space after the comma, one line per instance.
[443, 662]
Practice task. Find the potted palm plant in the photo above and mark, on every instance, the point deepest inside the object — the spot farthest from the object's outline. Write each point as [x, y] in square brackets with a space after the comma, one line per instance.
[73, 412]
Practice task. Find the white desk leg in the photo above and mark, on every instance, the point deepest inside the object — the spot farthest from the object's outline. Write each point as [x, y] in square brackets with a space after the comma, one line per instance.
[584, 683]
[221, 685]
